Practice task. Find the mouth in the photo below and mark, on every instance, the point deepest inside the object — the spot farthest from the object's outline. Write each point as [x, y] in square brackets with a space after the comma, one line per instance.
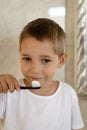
[36, 78]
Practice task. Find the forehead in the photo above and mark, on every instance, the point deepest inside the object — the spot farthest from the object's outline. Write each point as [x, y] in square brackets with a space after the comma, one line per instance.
[31, 44]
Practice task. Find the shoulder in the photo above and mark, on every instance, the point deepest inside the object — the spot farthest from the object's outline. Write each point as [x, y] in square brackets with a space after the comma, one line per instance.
[66, 86]
[68, 90]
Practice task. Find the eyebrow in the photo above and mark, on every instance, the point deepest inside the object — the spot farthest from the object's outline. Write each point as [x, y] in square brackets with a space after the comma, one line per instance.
[42, 56]
[45, 56]
[24, 55]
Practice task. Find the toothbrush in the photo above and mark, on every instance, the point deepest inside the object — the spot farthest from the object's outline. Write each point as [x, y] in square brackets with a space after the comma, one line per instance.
[35, 85]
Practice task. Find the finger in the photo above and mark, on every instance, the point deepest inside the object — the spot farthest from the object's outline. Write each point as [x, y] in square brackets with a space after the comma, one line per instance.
[16, 83]
[3, 86]
[10, 83]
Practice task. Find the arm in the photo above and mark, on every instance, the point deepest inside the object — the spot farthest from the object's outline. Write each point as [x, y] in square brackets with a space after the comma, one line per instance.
[8, 82]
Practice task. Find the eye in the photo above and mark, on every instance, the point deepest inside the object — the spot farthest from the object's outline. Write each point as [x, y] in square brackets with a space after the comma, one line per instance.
[46, 60]
[27, 59]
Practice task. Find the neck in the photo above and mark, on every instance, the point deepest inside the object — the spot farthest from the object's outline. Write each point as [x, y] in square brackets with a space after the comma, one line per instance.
[45, 90]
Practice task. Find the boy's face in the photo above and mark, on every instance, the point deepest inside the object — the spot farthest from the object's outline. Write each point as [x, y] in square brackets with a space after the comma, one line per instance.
[38, 61]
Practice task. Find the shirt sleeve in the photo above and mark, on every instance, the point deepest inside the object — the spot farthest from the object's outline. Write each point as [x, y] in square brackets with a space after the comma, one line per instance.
[77, 122]
[2, 105]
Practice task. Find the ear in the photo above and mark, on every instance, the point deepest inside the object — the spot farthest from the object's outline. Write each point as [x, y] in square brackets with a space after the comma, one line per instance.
[62, 60]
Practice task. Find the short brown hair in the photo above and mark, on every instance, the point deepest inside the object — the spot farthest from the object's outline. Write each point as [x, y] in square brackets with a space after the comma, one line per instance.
[44, 28]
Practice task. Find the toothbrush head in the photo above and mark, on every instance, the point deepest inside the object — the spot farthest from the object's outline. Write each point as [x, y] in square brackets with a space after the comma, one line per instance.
[36, 84]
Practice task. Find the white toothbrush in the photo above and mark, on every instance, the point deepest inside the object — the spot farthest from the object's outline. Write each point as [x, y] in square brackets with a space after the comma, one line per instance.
[35, 85]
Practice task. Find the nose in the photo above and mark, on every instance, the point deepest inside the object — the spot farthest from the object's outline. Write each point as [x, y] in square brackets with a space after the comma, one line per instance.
[35, 68]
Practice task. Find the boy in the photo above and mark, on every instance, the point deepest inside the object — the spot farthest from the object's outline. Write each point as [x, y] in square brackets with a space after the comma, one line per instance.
[55, 105]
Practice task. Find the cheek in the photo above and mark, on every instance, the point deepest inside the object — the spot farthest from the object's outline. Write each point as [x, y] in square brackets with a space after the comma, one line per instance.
[50, 72]
[23, 69]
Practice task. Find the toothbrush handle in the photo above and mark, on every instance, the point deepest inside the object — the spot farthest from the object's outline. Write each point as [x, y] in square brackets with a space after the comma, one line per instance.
[29, 87]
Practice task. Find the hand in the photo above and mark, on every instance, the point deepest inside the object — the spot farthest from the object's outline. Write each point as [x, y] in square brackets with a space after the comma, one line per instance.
[8, 82]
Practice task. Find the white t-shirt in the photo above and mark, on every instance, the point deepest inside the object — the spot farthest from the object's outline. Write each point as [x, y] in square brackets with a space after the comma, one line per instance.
[27, 111]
